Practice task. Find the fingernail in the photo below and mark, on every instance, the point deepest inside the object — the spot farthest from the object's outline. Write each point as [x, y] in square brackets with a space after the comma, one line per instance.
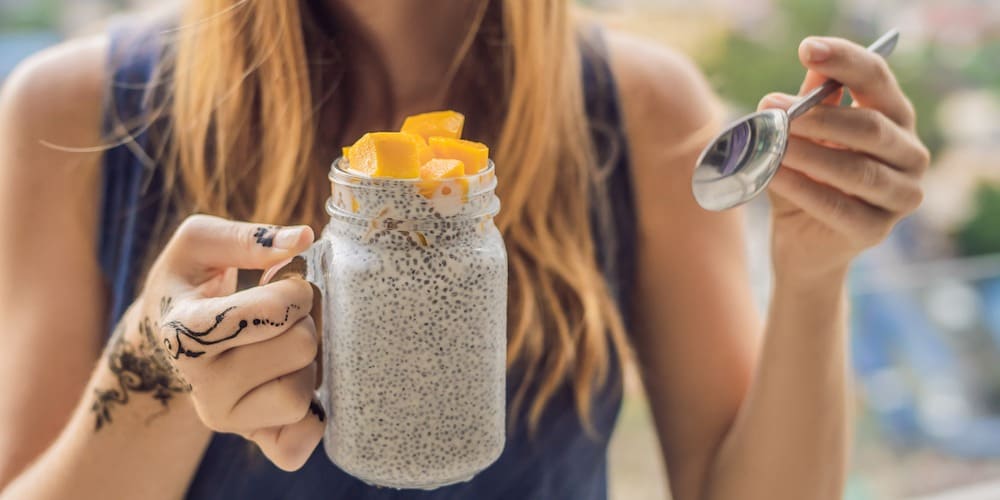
[288, 237]
[816, 51]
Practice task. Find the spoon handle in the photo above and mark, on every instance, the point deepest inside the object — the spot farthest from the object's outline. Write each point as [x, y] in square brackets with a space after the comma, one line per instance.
[883, 47]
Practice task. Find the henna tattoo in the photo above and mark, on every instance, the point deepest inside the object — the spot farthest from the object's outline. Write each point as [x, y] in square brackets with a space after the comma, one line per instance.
[180, 329]
[142, 366]
[316, 409]
[139, 368]
[176, 348]
[166, 304]
[265, 236]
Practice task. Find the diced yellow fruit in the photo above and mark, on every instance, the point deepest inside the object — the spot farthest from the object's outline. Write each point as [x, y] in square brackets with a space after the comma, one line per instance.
[437, 170]
[435, 124]
[474, 155]
[386, 154]
[442, 169]
[424, 152]
[345, 151]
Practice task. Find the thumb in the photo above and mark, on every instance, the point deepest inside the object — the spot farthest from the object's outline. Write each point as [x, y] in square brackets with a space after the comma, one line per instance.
[205, 244]
[776, 100]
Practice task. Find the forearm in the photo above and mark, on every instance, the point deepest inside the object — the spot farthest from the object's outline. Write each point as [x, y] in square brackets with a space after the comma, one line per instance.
[134, 434]
[790, 437]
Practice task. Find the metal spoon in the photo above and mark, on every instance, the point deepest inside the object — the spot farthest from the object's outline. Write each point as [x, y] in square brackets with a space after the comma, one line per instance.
[740, 162]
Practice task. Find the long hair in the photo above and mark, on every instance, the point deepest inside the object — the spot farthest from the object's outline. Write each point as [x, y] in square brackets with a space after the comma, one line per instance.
[248, 76]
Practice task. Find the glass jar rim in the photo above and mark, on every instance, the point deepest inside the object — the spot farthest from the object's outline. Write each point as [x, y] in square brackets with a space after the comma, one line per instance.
[484, 180]
[488, 212]
[478, 201]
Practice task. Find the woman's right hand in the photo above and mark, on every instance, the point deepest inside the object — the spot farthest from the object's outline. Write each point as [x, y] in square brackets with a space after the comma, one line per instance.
[250, 357]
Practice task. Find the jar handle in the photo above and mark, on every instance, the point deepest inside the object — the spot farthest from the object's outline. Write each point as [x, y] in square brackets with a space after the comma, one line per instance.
[310, 265]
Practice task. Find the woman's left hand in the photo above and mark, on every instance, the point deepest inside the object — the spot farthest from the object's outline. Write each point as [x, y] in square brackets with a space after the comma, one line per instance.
[850, 173]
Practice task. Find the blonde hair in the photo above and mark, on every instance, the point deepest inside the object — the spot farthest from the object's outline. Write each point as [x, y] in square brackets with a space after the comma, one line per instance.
[242, 144]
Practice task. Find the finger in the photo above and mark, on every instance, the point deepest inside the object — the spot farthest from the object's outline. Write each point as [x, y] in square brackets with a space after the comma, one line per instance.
[861, 129]
[204, 244]
[779, 100]
[855, 174]
[865, 130]
[238, 371]
[813, 80]
[212, 325]
[282, 401]
[289, 447]
[842, 213]
[866, 74]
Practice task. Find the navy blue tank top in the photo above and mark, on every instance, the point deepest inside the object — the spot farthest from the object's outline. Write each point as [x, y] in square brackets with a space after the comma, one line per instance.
[560, 460]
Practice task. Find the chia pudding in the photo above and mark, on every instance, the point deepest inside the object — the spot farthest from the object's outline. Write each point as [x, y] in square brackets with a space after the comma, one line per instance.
[414, 346]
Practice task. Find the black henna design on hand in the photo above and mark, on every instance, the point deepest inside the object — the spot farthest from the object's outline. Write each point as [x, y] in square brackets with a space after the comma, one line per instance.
[166, 304]
[145, 368]
[265, 236]
[176, 348]
[140, 368]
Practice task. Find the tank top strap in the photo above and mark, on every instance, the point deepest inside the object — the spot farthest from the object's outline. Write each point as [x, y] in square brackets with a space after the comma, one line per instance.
[614, 231]
[130, 181]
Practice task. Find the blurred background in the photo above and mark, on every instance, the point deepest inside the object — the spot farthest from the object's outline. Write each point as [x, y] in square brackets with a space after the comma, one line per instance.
[926, 304]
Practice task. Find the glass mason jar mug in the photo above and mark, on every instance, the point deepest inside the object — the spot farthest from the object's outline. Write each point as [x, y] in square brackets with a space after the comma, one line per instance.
[413, 276]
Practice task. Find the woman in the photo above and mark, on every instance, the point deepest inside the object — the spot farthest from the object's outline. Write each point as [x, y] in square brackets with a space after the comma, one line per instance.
[238, 112]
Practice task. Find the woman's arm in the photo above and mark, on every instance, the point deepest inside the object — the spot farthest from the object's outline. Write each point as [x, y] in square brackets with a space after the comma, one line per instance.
[777, 427]
[696, 328]
[142, 423]
[124, 440]
[53, 305]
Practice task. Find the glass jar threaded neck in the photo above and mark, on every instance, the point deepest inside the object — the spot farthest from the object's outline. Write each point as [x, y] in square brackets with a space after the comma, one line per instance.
[411, 204]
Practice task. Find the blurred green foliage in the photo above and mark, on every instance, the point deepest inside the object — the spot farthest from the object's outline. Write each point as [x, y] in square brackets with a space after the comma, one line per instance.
[981, 66]
[981, 234]
[749, 67]
[26, 16]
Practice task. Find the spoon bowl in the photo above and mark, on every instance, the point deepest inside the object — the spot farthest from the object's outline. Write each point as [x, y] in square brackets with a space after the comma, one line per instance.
[740, 161]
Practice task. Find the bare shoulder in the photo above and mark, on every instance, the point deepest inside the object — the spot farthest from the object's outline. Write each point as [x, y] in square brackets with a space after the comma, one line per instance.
[665, 97]
[57, 95]
[50, 109]
[670, 113]
[50, 132]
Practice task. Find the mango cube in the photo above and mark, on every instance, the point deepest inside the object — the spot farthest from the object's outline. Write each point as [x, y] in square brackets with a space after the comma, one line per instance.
[424, 152]
[474, 155]
[435, 171]
[442, 169]
[345, 151]
[386, 154]
[435, 124]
